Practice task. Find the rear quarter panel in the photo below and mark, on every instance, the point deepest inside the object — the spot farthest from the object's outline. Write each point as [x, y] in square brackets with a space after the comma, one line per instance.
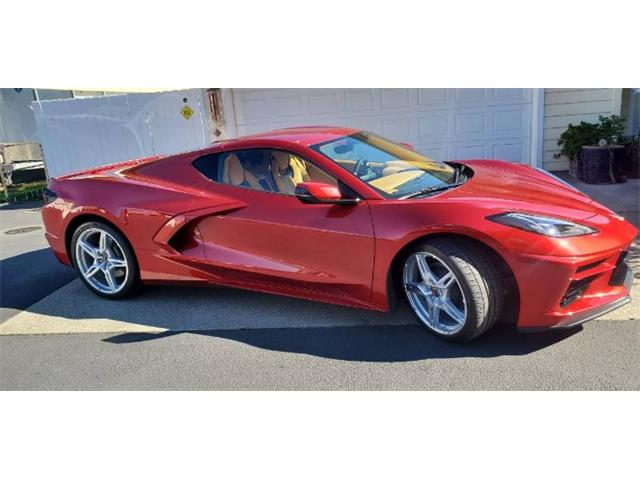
[137, 205]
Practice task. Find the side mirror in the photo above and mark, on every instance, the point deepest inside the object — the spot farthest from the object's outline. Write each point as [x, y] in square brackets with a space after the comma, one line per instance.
[407, 145]
[317, 192]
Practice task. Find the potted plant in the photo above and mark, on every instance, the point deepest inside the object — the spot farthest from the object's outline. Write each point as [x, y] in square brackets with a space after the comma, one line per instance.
[571, 142]
[593, 150]
[631, 158]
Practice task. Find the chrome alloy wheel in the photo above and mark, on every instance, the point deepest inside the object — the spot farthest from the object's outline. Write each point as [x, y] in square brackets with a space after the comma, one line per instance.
[101, 261]
[434, 293]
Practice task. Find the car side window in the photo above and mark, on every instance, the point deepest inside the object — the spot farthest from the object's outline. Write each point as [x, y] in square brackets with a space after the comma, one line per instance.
[267, 170]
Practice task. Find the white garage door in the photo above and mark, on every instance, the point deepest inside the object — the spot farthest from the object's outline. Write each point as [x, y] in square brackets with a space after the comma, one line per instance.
[444, 124]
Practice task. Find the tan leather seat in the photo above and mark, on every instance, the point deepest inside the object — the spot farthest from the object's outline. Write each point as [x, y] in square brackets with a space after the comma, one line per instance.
[288, 171]
[236, 174]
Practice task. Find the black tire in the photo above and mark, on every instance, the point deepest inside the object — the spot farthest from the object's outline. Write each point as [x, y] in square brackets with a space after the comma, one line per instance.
[479, 280]
[132, 283]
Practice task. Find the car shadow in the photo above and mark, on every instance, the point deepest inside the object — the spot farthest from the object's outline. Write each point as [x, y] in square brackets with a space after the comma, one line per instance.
[260, 320]
[375, 343]
[27, 205]
[28, 277]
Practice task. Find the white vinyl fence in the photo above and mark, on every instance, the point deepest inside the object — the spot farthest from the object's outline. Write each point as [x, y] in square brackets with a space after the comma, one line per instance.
[81, 133]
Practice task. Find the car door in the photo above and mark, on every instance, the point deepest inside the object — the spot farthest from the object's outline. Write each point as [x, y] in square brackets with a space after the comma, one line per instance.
[276, 242]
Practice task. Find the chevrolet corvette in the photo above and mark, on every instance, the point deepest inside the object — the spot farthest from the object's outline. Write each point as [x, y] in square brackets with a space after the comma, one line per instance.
[344, 216]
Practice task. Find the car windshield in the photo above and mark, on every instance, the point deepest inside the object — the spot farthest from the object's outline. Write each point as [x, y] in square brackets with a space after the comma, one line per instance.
[392, 169]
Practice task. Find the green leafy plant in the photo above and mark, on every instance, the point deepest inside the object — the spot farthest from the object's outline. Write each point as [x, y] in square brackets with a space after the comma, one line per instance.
[23, 192]
[610, 128]
[577, 136]
[631, 164]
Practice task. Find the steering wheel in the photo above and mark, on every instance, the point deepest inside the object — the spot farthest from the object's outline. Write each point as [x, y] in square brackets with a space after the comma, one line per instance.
[360, 164]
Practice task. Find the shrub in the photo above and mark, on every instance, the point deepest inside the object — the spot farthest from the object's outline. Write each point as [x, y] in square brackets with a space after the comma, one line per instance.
[610, 128]
[575, 137]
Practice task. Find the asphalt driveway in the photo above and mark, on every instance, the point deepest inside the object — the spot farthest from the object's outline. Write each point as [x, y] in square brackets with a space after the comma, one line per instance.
[28, 269]
[602, 356]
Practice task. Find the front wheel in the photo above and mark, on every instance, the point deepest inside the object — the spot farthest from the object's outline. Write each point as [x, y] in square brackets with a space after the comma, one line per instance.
[104, 260]
[453, 287]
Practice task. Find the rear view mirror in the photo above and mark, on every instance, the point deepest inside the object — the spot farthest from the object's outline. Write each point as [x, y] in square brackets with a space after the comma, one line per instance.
[344, 147]
[317, 192]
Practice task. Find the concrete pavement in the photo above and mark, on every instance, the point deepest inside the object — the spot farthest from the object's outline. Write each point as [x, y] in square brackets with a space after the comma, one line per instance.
[624, 198]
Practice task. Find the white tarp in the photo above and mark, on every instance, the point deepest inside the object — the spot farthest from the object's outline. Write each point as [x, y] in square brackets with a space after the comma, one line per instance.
[81, 133]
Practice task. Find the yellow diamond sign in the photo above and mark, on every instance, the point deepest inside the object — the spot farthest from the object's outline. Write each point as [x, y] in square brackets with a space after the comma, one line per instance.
[186, 112]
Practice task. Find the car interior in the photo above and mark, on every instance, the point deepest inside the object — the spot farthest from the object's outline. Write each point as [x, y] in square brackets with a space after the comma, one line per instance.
[384, 165]
[270, 171]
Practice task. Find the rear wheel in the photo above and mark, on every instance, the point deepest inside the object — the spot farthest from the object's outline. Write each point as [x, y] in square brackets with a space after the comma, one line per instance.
[453, 287]
[104, 260]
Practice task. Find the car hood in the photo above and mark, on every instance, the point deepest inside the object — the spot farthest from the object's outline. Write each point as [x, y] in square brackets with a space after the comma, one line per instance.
[503, 186]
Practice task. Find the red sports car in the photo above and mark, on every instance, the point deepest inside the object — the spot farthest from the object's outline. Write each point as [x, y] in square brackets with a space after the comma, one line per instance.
[344, 216]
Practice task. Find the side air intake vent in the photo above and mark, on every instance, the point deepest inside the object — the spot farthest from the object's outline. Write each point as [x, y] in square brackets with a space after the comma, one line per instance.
[589, 266]
[183, 238]
[576, 290]
[620, 272]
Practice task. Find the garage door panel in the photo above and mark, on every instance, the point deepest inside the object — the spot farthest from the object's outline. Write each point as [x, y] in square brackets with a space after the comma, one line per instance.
[288, 106]
[361, 122]
[324, 102]
[434, 126]
[514, 150]
[470, 96]
[399, 129]
[371, 125]
[511, 150]
[359, 100]
[510, 95]
[509, 121]
[394, 98]
[437, 152]
[444, 123]
[433, 96]
[471, 124]
[470, 151]
[253, 108]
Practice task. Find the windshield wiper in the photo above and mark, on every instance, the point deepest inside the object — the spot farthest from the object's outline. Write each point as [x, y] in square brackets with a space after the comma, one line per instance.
[429, 190]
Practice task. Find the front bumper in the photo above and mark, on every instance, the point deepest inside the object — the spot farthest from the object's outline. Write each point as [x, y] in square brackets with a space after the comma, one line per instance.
[582, 317]
[608, 288]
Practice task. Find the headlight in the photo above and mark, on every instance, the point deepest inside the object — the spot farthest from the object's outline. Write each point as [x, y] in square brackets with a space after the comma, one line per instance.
[557, 179]
[549, 226]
